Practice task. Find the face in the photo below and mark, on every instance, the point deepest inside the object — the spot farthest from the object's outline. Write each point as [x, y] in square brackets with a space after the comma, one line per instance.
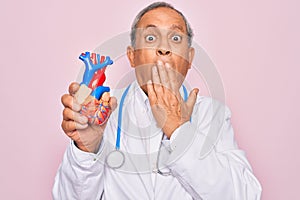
[161, 36]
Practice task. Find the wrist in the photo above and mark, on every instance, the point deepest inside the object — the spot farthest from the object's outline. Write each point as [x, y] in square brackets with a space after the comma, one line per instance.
[92, 148]
[169, 128]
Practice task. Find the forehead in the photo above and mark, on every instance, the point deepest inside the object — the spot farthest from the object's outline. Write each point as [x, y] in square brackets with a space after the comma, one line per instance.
[165, 18]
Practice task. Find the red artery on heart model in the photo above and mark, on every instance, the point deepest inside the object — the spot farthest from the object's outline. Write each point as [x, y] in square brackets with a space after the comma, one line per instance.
[99, 76]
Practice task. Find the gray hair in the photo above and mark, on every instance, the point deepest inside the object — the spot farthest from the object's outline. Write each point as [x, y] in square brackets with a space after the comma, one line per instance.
[152, 7]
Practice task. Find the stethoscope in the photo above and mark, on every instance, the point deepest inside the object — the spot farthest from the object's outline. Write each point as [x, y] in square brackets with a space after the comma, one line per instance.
[116, 158]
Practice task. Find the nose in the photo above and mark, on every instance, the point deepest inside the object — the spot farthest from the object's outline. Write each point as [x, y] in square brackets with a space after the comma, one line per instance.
[163, 52]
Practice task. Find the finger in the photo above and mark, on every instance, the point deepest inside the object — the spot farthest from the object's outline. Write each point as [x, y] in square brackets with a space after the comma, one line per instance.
[173, 80]
[164, 79]
[71, 126]
[156, 82]
[69, 114]
[68, 102]
[151, 93]
[73, 88]
[72, 134]
[192, 99]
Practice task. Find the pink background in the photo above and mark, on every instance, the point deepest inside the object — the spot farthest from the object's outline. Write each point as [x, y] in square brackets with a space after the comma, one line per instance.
[254, 44]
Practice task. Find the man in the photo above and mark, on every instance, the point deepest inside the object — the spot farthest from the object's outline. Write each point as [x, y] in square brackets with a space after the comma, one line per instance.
[171, 147]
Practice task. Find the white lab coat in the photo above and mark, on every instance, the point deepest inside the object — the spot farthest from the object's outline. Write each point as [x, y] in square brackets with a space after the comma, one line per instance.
[202, 156]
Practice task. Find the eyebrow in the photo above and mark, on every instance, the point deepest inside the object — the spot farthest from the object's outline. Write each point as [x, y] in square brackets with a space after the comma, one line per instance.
[173, 27]
[151, 25]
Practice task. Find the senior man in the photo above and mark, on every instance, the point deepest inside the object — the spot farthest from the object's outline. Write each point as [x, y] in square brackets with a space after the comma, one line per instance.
[166, 149]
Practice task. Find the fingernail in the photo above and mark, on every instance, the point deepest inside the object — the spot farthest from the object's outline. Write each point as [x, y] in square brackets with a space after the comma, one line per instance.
[149, 82]
[105, 96]
[159, 62]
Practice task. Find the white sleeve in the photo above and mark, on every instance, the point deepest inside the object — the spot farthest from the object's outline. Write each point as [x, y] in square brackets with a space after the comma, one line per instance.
[80, 175]
[224, 173]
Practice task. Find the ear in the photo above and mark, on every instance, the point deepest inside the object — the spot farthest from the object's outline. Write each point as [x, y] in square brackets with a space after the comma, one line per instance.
[130, 55]
[191, 56]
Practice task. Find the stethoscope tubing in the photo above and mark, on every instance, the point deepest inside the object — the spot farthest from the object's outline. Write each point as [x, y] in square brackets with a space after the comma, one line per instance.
[120, 118]
[118, 139]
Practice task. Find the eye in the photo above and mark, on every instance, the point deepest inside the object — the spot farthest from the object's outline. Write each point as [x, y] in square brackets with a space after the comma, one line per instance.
[150, 38]
[176, 38]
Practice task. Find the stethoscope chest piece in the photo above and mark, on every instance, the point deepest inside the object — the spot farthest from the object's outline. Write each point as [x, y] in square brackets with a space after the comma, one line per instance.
[115, 159]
